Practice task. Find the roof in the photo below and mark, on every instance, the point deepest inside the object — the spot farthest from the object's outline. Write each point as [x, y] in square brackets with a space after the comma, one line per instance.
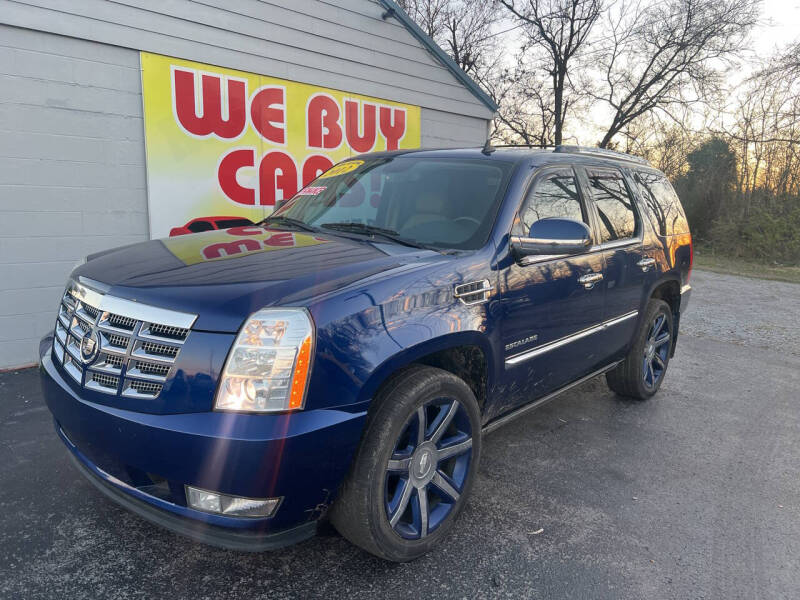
[394, 10]
[576, 154]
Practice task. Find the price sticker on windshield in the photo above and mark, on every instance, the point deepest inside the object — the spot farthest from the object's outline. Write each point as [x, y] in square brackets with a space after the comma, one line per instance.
[342, 168]
[312, 190]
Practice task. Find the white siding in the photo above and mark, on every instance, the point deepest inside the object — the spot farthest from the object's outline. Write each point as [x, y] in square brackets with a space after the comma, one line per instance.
[447, 130]
[72, 172]
[343, 44]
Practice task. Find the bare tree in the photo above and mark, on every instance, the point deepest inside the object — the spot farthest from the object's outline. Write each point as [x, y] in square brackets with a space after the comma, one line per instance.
[428, 14]
[663, 54]
[560, 29]
[464, 28]
[525, 113]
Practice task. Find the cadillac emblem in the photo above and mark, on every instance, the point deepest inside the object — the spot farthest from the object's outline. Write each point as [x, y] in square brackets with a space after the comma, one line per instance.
[90, 346]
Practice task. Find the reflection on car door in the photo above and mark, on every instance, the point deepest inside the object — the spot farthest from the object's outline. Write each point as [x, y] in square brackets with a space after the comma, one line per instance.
[620, 229]
[543, 302]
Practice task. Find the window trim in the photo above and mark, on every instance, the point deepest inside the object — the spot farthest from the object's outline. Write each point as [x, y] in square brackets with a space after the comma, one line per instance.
[536, 177]
[635, 176]
[638, 238]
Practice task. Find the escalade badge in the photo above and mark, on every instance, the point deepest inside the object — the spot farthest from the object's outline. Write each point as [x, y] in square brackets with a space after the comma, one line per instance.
[90, 346]
[522, 342]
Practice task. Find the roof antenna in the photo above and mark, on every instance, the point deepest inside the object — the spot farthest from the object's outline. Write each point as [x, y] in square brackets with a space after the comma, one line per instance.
[487, 148]
[387, 14]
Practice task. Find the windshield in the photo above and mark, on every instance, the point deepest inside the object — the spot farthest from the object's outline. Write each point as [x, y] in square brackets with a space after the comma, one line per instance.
[444, 203]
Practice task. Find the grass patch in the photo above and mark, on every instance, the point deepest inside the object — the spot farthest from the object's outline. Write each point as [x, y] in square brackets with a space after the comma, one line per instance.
[706, 259]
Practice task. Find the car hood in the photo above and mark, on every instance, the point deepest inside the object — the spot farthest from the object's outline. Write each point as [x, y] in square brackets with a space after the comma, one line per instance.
[224, 276]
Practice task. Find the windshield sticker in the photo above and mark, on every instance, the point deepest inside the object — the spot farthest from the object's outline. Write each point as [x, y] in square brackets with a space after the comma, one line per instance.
[312, 190]
[342, 168]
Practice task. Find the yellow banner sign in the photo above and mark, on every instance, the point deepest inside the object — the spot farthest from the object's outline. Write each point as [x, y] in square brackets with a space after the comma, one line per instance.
[224, 144]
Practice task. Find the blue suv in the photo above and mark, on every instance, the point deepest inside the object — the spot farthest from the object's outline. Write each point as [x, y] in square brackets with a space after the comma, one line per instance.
[343, 358]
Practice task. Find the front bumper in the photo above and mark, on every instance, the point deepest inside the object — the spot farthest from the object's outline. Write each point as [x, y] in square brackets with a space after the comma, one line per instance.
[301, 457]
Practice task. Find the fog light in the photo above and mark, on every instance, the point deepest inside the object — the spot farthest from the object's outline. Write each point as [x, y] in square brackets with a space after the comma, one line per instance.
[233, 506]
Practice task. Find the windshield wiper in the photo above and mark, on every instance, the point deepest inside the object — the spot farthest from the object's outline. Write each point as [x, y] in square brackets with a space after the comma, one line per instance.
[280, 220]
[373, 230]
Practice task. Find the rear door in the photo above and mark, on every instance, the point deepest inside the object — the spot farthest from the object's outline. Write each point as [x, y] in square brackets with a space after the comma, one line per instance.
[545, 302]
[620, 229]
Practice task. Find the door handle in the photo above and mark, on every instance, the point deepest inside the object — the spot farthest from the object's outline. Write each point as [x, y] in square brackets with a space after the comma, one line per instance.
[646, 263]
[590, 279]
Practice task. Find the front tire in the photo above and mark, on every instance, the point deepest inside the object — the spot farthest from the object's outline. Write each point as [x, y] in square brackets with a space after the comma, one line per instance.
[414, 469]
[641, 373]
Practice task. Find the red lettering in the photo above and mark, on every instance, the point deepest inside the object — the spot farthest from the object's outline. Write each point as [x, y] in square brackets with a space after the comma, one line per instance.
[211, 119]
[359, 143]
[230, 248]
[393, 126]
[226, 175]
[245, 230]
[268, 113]
[322, 120]
[284, 238]
[314, 166]
[277, 178]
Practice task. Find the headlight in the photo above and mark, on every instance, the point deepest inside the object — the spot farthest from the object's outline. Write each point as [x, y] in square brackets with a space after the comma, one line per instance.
[267, 368]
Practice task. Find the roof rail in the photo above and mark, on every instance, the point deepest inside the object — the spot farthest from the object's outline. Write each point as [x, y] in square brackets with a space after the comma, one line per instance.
[601, 152]
[488, 148]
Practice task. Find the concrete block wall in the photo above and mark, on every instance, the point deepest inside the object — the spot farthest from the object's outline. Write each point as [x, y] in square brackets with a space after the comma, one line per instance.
[72, 171]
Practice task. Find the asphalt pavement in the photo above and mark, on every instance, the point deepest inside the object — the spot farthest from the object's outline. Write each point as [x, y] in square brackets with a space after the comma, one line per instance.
[694, 494]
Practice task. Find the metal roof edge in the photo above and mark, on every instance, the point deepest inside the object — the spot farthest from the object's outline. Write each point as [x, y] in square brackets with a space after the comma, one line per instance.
[440, 54]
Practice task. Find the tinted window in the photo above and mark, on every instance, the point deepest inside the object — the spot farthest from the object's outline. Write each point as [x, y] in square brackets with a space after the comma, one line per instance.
[442, 202]
[199, 226]
[662, 203]
[614, 205]
[553, 195]
[228, 223]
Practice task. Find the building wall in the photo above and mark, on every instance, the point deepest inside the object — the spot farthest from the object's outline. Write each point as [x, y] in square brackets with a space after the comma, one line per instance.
[72, 158]
[72, 171]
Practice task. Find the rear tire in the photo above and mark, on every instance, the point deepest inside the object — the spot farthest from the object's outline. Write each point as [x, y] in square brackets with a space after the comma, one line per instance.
[409, 482]
[641, 373]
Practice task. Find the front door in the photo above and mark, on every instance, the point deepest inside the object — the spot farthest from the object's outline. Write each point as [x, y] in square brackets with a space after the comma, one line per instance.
[548, 302]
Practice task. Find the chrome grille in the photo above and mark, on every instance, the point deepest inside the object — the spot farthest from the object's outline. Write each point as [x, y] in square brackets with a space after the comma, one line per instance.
[138, 344]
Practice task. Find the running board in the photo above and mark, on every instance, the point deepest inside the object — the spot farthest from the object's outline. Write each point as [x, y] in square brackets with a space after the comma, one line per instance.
[497, 423]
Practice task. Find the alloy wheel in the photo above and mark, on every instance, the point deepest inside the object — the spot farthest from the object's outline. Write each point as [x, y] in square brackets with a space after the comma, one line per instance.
[656, 351]
[428, 468]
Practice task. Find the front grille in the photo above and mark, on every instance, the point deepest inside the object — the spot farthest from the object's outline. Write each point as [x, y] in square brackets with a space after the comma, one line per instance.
[138, 344]
[152, 369]
[106, 381]
[121, 322]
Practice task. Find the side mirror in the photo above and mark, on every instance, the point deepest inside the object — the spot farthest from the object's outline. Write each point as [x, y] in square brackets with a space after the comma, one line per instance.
[553, 236]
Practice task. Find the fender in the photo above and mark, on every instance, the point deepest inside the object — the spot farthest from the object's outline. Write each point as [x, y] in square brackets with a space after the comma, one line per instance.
[424, 348]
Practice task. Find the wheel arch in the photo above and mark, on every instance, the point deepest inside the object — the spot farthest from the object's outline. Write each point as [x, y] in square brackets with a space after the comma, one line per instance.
[466, 354]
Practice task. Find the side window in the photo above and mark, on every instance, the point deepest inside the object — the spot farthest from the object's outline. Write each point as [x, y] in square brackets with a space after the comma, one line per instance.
[553, 195]
[662, 203]
[199, 226]
[617, 215]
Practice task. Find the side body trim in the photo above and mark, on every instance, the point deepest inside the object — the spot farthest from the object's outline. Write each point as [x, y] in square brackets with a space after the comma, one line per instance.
[539, 350]
[492, 425]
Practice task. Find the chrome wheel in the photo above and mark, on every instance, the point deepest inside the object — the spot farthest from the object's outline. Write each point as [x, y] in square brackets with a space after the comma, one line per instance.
[656, 351]
[428, 468]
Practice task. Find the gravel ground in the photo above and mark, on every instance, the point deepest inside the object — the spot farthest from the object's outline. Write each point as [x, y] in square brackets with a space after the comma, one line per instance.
[748, 312]
[694, 494]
